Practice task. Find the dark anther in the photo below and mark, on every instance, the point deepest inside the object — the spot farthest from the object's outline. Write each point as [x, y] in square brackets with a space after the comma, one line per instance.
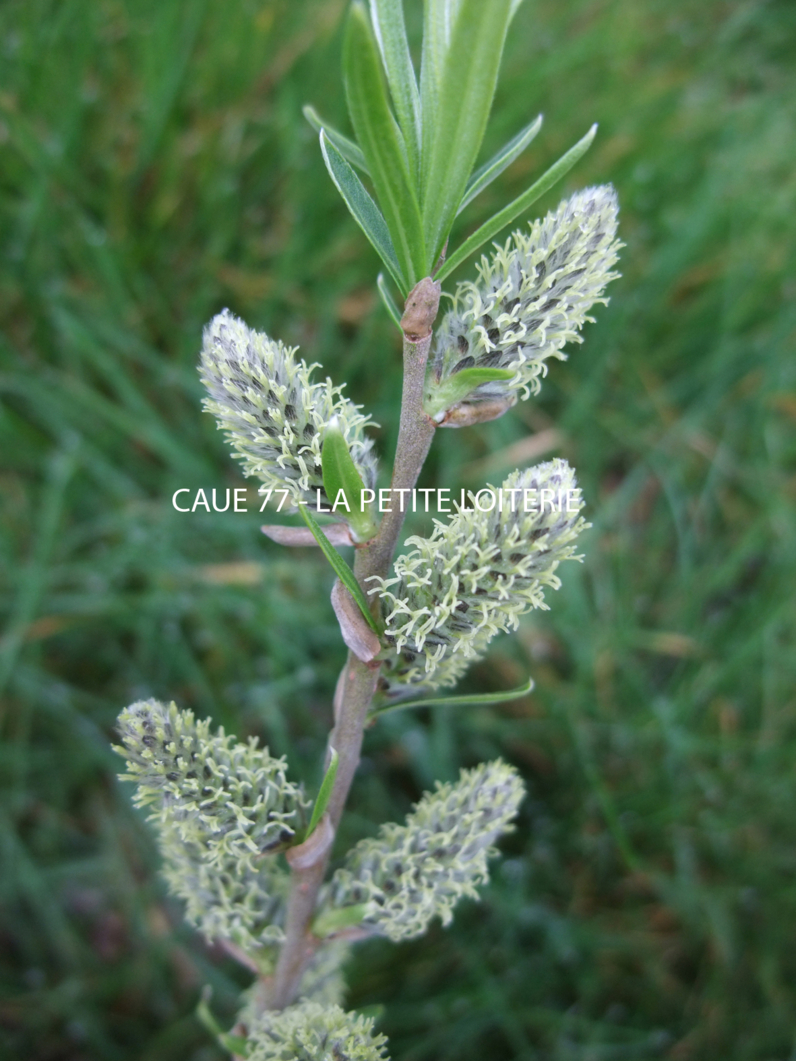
[494, 334]
[290, 412]
[462, 343]
[466, 362]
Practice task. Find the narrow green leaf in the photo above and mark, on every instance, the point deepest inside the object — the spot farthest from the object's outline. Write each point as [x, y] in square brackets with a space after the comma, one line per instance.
[324, 793]
[347, 148]
[388, 300]
[390, 30]
[465, 99]
[495, 166]
[341, 568]
[330, 921]
[517, 206]
[340, 476]
[437, 22]
[382, 144]
[459, 385]
[459, 701]
[364, 210]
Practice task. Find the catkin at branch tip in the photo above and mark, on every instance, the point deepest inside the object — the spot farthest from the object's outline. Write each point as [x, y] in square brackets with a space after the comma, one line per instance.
[475, 575]
[273, 414]
[531, 298]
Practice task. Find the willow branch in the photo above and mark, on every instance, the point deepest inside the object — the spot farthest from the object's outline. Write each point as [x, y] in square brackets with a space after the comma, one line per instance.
[358, 680]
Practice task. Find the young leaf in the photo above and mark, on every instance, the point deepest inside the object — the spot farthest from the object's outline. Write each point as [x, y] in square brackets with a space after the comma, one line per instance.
[459, 701]
[331, 921]
[364, 210]
[459, 385]
[465, 99]
[390, 30]
[235, 1044]
[382, 144]
[347, 148]
[437, 21]
[341, 568]
[388, 300]
[517, 206]
[340, 477]
[324, 792]
[495, 166]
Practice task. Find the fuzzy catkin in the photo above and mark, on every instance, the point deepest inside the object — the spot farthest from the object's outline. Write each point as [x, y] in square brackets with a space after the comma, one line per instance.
[531, 298]
[309, 1031]
[224, 899]
[217, 806]
[273, 414]
[232, 799]
[476, 575]
[412, 873]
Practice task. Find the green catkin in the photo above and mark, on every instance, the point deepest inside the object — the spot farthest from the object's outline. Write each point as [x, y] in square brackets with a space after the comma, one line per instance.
[412, 873]
[310, 1031]
[531, 299]
[476, 575]
[219, 806]
[273, 414]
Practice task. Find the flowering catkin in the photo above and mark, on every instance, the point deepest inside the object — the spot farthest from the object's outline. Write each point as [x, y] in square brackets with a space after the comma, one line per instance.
[532, 297]
[218, 805]
[232, 799]
[224, 898]
[273, 414]
[477, 574]
[309, 1031]
[414, 872]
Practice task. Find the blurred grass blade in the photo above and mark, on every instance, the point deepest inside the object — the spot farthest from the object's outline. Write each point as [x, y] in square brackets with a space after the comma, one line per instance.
[388, 300]
[505, 216]
[460, 384]
[364, 210]
[495, 166]
[382, 144]
[459, 701]
[340, 476]
[390, 30]
[341, 568]
[324, 792]
[347, 148]
[465, 99]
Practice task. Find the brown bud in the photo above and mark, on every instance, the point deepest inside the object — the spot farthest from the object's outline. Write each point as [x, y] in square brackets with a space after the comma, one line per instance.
[314, 848]
[464, 414]
[422, 305]
[337, 533]
[356, 632]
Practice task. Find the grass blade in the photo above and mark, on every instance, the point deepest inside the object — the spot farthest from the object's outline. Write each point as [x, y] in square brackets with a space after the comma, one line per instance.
[341, 568]
[465, 99]
[347, 148]
[382, 144]
[460, 701]
[365, 212]
[390, 30]
[505, 216]
[495, 166]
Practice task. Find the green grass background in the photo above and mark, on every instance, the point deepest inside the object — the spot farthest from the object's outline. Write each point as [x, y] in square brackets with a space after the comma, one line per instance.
[155, 167]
